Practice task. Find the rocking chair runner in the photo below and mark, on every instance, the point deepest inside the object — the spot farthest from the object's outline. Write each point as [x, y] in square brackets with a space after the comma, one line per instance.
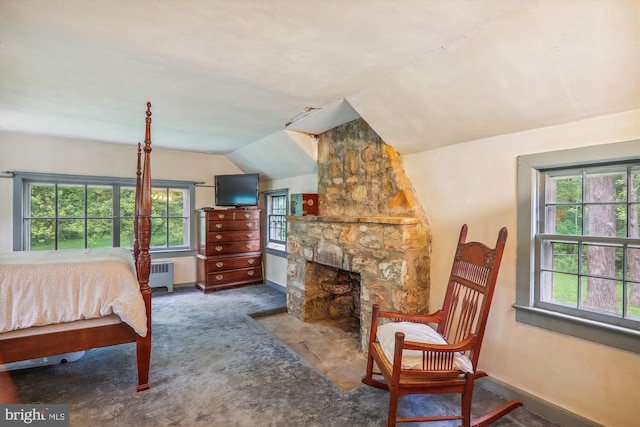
[413, 358]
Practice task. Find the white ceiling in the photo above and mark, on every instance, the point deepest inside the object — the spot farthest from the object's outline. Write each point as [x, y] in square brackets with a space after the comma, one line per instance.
[226, 76]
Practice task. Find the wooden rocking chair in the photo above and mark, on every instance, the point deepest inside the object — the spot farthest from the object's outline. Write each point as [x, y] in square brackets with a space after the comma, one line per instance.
[413, 358]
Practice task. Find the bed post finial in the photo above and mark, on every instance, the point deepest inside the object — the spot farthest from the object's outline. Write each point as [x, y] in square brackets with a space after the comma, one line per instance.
[143, 263]
[147, 135]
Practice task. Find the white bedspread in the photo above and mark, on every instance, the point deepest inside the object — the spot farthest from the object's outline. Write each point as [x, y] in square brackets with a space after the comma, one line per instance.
[47, 287]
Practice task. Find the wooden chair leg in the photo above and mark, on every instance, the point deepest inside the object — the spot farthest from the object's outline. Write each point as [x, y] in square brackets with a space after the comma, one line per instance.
[393, 409]
[369, 372]
[466, 399]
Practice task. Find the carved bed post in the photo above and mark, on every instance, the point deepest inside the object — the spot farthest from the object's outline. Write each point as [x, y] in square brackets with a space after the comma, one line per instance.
[143, 261]
[137, 202]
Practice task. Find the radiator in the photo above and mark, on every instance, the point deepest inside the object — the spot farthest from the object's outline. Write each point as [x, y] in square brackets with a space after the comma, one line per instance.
[161, 275]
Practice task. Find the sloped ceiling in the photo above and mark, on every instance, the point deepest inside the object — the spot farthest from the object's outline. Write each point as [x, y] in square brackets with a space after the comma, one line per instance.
[226, 77]
[545, 65]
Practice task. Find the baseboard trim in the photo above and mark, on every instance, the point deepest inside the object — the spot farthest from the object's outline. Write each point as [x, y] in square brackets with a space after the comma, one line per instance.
[540, 406]
[275, 286]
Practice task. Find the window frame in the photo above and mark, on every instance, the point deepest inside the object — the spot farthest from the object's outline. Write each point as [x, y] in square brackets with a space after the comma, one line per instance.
[529, 169]
[22, 179]
[275, 247]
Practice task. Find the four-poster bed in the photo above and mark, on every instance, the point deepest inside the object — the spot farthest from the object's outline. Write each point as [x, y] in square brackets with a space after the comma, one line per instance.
[102, 296]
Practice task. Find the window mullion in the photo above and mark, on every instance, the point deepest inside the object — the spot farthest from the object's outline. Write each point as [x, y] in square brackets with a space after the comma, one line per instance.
[580, 276]
[624, 274]
[115, 214]
[167, 217]
[56, 227]
[86, 216]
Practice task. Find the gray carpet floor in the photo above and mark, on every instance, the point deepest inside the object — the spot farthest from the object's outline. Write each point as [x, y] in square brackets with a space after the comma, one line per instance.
[214, 365]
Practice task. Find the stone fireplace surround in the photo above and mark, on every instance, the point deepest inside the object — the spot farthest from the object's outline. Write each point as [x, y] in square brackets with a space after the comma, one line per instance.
[370, 223]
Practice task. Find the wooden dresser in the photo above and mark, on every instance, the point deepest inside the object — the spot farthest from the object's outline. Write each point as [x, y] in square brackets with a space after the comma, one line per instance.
[228, 248]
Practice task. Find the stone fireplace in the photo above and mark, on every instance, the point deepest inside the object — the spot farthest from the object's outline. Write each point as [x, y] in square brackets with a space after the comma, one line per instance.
[370, 228]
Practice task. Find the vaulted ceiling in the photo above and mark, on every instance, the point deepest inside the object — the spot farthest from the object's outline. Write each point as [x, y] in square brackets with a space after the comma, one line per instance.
[249, 79]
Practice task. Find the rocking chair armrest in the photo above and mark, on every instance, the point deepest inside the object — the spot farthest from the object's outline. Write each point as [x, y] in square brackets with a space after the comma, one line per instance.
[418, 318]
[462, 346]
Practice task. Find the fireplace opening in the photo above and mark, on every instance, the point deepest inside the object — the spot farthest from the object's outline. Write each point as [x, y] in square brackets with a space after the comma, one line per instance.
[332, 295]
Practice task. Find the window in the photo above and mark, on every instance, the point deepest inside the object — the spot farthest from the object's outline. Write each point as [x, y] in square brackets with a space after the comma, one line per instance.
[579, 243]
[276, 201]
[75, 212]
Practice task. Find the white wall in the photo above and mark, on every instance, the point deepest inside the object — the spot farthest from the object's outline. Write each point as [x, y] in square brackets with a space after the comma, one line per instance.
[34, 153]
[275, 267]
[475, 183]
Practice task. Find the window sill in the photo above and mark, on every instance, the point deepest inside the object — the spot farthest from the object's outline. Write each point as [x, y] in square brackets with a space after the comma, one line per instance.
[602, 333]
[168, 253]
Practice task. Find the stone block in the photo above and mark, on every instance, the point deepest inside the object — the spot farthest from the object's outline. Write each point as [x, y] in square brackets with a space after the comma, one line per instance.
[315, 231]
[359, 193]
[364, 266]
[308, 253]
[411, 301]
[328, 253]
[336, 288]
[348, 235]
[393, 271]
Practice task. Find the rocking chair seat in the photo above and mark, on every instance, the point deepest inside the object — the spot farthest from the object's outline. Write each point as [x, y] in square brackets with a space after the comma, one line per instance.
[419, 333]
[386, 367]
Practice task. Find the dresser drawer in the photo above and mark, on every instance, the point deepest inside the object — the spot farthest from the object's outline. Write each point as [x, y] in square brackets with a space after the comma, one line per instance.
[219, 216]
[213, 226]
[232, 215]
[214, 248]
[234, 276]
[232, 236]
[231, 263]
[245, 215]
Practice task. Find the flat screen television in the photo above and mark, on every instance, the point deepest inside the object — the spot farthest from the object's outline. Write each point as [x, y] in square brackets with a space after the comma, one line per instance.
[239, 190]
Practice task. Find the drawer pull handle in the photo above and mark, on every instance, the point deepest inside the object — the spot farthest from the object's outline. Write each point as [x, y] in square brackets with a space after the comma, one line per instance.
[249, 245]
[220, 216]
[219, 236]
[247, 215]
[219, 277]
[250, 272]
[251, 261]
[218, 225]
[219, 248]
[219, 264]
[249, 235]
[250, 224]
